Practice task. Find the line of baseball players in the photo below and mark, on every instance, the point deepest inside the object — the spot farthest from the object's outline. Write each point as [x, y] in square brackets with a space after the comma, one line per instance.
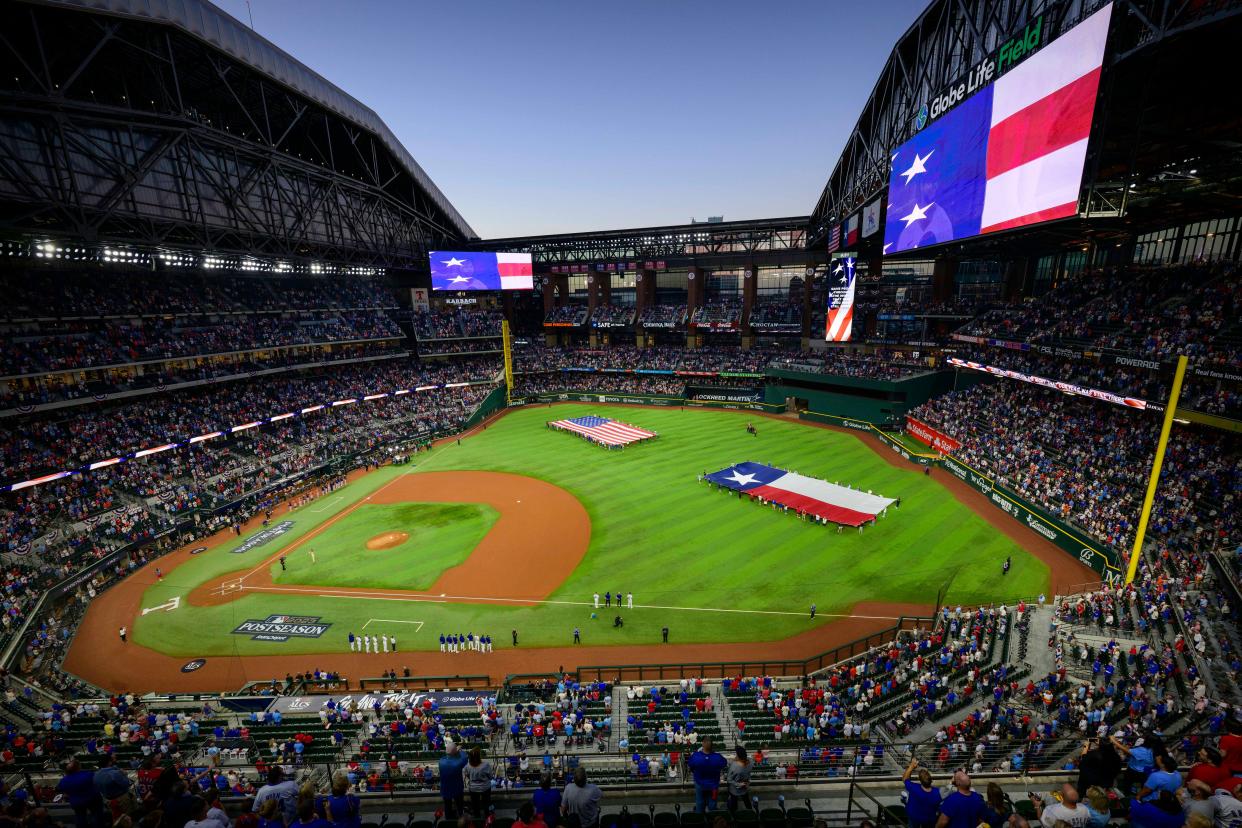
[371, 643]
[456, 643]
[608, 596]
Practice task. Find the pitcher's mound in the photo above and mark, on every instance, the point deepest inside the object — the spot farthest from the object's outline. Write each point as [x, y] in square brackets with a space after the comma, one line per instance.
[387, 540]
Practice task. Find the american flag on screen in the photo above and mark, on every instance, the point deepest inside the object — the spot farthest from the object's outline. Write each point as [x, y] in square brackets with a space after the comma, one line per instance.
[1010, 155]
[840, 301]
[603, 430]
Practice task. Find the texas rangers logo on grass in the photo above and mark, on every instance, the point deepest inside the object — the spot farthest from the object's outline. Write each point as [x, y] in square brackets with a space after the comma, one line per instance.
[282, 627]
[264, 536]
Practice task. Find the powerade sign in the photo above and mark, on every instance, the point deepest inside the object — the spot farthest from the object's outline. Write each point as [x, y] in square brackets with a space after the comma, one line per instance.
[282, 628]
[263, 537]
[1012, 52]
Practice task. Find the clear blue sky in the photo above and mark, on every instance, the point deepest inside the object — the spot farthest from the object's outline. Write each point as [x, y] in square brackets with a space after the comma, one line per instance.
[550, 117]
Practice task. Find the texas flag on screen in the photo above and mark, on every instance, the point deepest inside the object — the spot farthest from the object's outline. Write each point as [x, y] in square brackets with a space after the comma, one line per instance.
[1010, 155]
[462, 270]
[840, 301]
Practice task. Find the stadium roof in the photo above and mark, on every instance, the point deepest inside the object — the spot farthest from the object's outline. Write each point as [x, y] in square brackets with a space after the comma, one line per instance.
[213, 26]
[722, 243]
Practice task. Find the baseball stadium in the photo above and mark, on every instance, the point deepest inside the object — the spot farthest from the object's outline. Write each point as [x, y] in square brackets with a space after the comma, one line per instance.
[319, 509]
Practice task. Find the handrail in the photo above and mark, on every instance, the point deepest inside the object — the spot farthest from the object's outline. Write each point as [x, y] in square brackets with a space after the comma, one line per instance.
[721, 669]
[7, 658]
[427, 682]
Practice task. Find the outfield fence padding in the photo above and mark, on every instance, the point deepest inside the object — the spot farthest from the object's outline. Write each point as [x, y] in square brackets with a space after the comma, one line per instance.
[641, 399]
[1092, 553]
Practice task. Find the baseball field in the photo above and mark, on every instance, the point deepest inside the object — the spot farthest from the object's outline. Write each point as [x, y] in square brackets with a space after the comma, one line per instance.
[515, 527]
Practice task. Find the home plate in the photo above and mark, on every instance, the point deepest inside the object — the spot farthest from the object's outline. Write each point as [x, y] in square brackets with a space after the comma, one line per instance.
[442, 594]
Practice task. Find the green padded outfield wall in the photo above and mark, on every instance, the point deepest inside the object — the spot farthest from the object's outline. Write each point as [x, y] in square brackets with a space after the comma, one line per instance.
[872, 401]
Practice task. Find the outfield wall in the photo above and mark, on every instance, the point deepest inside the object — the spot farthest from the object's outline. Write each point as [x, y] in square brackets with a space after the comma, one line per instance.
[492, 403]
[1096, 555]
[871, 401]
[642, 399]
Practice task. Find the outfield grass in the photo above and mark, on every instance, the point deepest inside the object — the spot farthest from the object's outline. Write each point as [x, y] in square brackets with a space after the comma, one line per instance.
[910, 443]
[441, 535]
[676, 543]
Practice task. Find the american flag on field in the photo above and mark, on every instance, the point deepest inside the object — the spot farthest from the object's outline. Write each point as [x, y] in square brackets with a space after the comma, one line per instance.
[604, 431]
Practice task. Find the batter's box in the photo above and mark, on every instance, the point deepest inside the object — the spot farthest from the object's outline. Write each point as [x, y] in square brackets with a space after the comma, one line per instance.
[418, 624]
[230, 586]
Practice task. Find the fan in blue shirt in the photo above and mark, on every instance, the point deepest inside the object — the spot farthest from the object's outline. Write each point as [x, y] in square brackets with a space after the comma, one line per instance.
[922, 799]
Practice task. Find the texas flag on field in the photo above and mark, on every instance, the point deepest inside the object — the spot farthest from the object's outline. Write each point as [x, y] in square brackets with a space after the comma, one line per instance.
[1011, 154]
[840, 325]
[839, 504]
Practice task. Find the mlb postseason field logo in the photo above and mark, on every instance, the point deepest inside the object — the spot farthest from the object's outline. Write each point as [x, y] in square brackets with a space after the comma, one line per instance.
[263, 537]
[282, 628]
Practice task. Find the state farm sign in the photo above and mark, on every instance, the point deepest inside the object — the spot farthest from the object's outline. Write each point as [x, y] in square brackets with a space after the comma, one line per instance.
[928, 436]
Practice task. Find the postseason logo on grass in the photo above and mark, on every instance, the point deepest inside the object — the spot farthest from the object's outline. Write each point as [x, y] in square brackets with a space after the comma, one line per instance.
[263, 537]
[282, 627]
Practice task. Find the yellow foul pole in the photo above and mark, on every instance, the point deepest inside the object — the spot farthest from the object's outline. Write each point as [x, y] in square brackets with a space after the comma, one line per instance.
[1152, 482]
[508, 348]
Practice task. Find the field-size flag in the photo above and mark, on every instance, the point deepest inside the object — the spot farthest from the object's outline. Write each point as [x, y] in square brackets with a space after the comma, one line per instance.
[604, 431]
[839, 504]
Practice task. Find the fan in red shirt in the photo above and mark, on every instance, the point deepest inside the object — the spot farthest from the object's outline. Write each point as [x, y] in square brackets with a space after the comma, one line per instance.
[1231, 747]
[1208, 768]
